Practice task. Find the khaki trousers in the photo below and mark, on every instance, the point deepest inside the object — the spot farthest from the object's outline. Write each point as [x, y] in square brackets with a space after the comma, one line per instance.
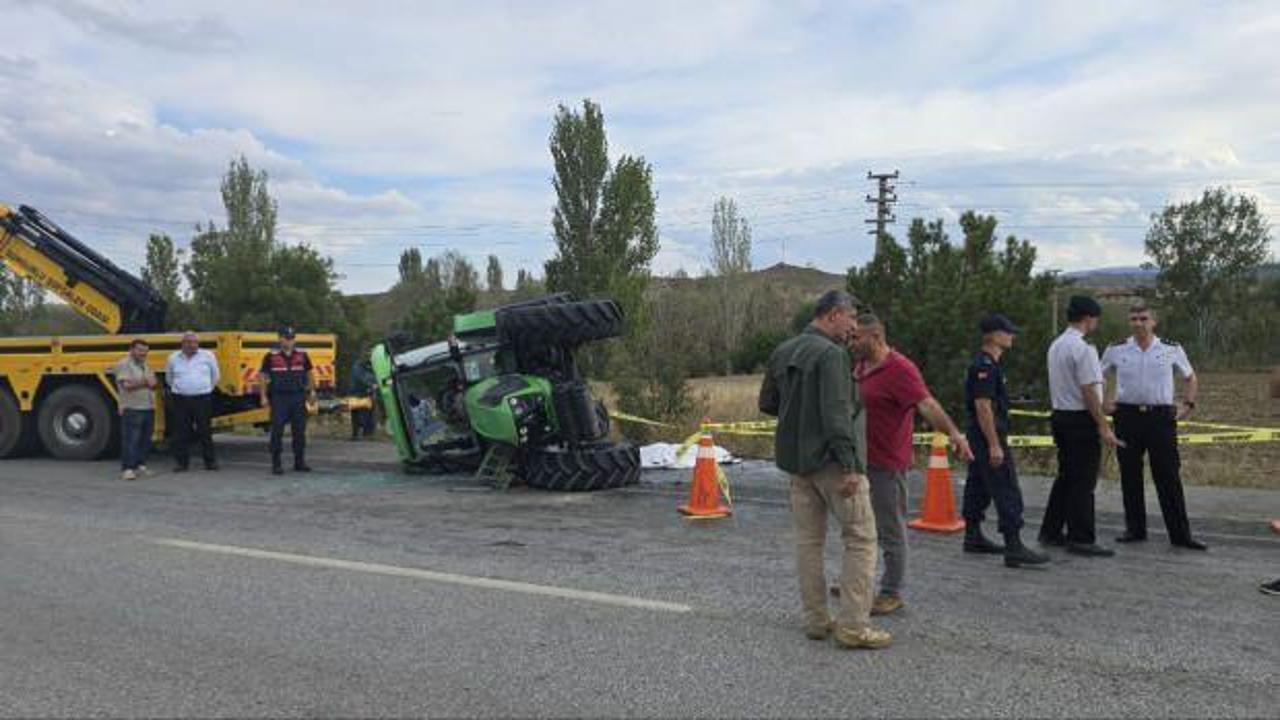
[813, 497]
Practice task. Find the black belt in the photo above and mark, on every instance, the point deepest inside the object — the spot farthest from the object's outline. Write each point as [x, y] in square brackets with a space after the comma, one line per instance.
[1144, 408]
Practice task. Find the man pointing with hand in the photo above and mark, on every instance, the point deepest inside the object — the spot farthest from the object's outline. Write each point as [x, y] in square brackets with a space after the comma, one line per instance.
[808, 386]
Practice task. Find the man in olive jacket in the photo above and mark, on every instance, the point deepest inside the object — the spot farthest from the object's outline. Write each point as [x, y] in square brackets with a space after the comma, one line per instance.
[808, 386]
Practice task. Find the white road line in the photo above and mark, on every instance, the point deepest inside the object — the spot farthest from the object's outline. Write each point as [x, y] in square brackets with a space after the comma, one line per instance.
[431, 575]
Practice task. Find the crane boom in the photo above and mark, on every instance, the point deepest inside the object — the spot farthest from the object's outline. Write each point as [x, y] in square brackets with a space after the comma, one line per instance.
[35, 248]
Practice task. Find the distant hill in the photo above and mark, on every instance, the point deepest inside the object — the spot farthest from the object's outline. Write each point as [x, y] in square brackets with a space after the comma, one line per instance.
[1128, 277]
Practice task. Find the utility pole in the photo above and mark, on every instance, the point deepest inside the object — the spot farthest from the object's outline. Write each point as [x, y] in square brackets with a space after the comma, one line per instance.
[886, 196]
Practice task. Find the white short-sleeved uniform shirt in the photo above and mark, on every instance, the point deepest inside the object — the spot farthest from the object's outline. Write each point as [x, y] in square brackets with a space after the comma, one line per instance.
[1072, 363]
[1145, 377]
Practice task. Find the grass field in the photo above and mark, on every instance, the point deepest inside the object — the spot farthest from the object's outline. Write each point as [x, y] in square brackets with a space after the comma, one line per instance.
[1232, 398]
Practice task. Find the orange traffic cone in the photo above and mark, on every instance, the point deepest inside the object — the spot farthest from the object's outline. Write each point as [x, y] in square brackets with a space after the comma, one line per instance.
[704, 494]
[938, 513]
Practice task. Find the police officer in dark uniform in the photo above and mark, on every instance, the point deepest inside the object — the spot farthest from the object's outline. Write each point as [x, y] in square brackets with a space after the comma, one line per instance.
[992, 475]
[285, 385]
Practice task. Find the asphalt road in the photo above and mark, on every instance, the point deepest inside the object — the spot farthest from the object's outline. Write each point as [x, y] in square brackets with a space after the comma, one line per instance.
[361, 591]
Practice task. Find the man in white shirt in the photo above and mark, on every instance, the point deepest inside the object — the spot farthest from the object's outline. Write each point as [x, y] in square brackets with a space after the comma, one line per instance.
[192, 374]
[1078, 422]
[1147, 421]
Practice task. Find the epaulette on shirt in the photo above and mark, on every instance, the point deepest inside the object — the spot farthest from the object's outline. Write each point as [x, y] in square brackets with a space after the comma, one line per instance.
[1170, 343]
[1119, 343]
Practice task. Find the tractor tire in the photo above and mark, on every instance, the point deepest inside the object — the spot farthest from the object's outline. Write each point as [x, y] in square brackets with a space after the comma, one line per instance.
[76, 423]
[604, 467]
[15, 426]
[564, 323]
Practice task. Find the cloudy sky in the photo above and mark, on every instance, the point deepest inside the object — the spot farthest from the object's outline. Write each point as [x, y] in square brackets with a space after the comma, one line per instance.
[385, 125]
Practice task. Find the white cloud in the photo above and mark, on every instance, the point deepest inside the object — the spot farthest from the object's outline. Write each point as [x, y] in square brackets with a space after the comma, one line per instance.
[426, 124]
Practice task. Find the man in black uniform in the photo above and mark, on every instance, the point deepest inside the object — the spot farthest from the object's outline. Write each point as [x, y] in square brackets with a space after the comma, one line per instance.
[284, 387]
[992, 474]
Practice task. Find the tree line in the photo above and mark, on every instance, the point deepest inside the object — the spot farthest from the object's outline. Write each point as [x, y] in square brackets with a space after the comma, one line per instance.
[1213, 289]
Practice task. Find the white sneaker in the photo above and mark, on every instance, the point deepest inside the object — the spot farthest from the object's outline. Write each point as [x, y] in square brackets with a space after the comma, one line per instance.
[128, 475]
[144, 470]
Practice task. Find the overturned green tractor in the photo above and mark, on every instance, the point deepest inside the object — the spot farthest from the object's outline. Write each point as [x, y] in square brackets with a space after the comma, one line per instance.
[503, 397]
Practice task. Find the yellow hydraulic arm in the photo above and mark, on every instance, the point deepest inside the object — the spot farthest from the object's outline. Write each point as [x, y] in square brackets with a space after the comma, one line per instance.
[38, 250]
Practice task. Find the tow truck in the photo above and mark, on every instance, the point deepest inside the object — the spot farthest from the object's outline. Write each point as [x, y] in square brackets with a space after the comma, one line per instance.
[56, 393]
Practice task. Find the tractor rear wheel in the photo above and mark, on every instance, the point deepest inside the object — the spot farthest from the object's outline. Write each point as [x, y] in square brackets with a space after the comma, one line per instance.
[601, 467]
[567, 323]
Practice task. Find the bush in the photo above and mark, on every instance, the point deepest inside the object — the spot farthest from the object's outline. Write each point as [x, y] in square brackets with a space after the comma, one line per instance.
[755, 351]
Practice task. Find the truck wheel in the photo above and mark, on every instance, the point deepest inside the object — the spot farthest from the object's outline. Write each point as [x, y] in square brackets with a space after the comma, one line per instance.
[75, 423]
[15, 426]
[568, 323]
[603, 467]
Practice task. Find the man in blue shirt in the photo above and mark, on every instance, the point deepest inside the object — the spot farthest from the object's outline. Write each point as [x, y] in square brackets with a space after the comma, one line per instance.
[992, 475]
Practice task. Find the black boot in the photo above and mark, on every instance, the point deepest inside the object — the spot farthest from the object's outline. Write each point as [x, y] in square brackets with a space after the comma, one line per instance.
[300, 465]
[1016, 554]
[276, 467]
[976, 542]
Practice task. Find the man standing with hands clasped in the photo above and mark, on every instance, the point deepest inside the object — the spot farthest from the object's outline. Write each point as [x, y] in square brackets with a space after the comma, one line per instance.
[808, 386]
[1078, 423]
[135, 384]
[1147, 421]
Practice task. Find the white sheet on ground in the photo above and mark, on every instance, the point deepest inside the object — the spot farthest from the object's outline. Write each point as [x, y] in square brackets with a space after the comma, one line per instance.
[663, 455]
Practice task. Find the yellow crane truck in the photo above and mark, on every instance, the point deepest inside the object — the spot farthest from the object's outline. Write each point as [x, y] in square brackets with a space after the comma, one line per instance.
[56, 393]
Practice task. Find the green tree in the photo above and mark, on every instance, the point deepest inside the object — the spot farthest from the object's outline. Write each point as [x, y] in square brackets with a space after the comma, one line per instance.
[730, 262]
[1208, 252]
[241, 277]
[229, 269]
[605, 231]
[493, 275]
[527, 286]
[163, 271]
[411, 272]
[449, 285]
[21, 302]
[932, 293]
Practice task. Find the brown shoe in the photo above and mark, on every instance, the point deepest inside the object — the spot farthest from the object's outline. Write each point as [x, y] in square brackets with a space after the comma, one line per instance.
[820, 632]
[867, 638]
[885, 604]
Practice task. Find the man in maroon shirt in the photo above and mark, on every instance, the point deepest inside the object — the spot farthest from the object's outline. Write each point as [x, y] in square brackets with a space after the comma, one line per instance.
[892, 390]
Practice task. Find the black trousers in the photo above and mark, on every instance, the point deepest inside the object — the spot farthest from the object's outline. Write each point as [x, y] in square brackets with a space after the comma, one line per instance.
[985, 483]
[191, 414]
[1079, 457]
[1153, 432]
[289, 409]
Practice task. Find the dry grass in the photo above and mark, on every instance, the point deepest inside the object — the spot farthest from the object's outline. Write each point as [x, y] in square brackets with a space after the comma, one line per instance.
[1232, 398]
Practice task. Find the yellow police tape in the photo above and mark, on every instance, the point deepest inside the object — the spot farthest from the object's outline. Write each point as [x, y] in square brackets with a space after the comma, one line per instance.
[1226, 435]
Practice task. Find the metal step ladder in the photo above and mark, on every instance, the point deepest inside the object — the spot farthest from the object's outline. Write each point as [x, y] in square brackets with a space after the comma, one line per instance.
[495, 469]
